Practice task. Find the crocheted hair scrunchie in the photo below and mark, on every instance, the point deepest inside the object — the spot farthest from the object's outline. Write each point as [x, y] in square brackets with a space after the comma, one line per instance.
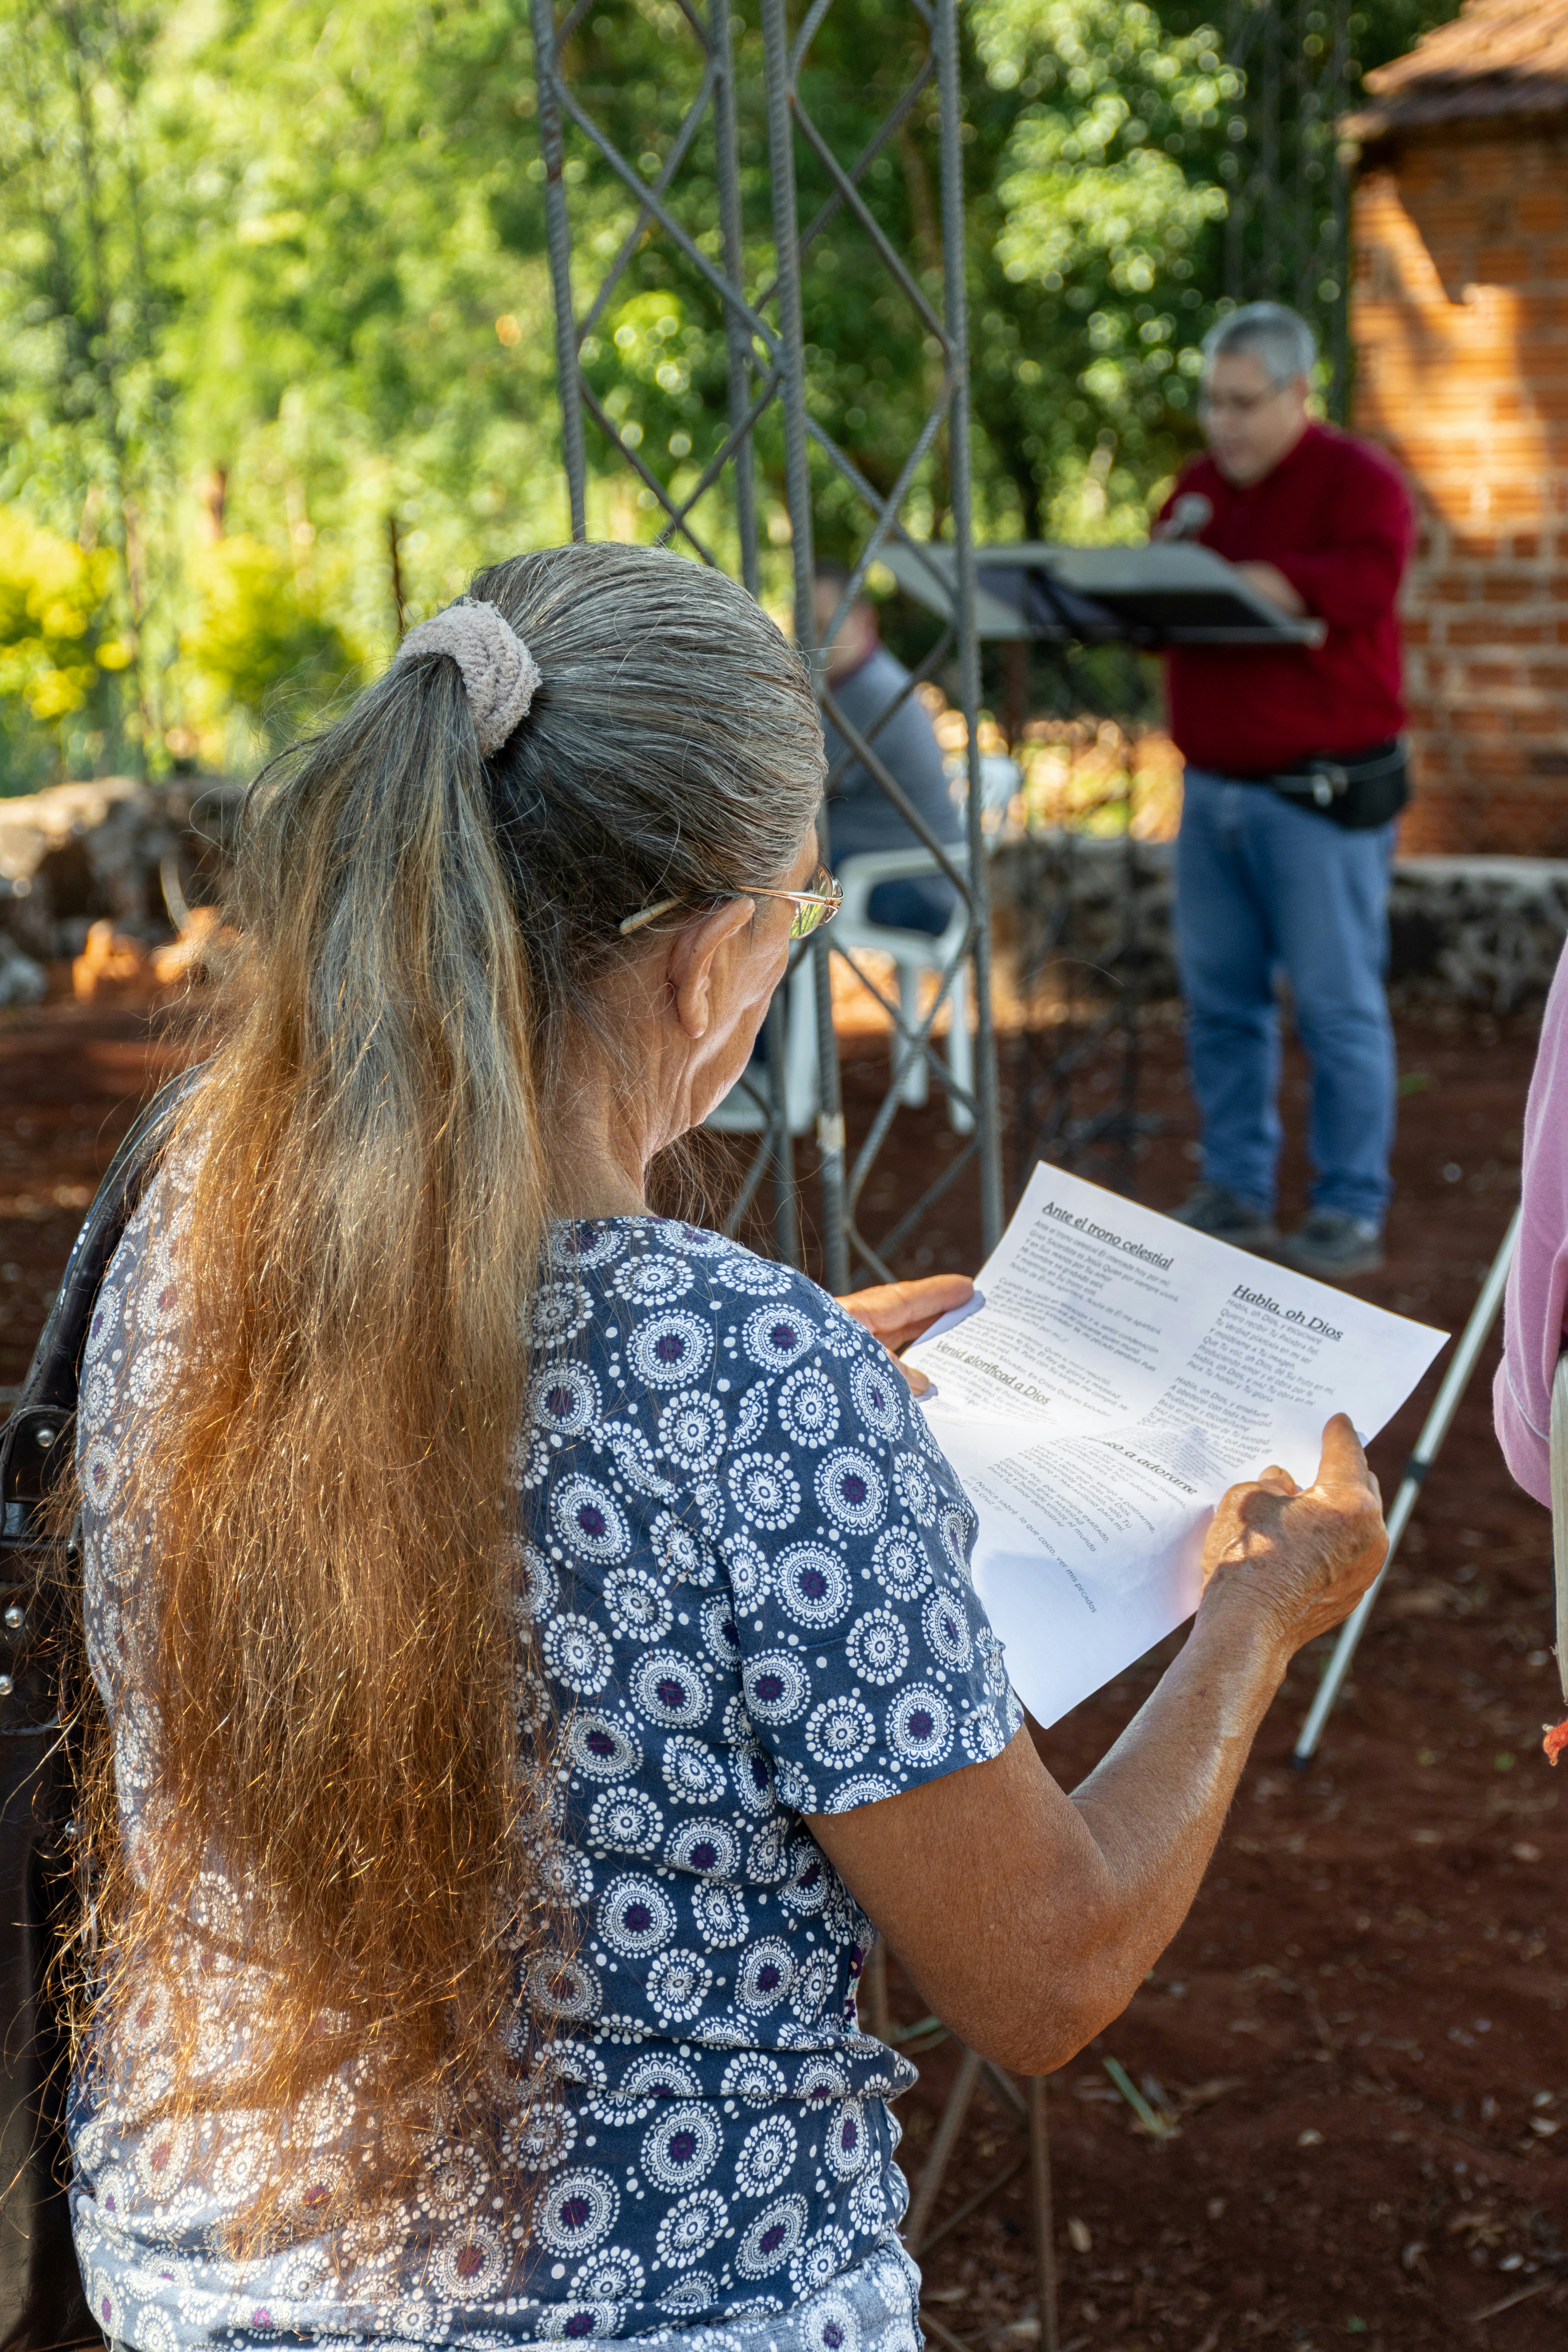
[500, 676]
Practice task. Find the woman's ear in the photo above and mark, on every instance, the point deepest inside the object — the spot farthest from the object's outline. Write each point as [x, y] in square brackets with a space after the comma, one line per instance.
[692, 957]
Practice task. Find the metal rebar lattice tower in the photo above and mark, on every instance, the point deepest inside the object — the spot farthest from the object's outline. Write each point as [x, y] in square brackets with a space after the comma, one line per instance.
[713, 192]
[712, 200]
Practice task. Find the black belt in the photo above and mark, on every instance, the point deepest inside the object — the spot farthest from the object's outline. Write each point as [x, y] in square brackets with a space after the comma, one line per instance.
[1356, 790]
[1324, 778]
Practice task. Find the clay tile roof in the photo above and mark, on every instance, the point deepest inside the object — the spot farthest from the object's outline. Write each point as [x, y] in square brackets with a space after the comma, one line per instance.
[1498, 58]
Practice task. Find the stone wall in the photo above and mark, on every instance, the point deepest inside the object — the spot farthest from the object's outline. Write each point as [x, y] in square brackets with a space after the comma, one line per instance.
[78, 854]
[1480, 931]
[1484, 931]
[1460, 321]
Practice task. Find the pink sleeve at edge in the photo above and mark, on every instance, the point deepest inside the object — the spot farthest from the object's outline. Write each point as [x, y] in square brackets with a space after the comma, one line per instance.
[1526, 1452]
[1538, 1278]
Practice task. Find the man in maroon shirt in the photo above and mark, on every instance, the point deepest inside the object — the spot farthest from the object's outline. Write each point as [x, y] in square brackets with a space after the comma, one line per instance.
[1294, 772]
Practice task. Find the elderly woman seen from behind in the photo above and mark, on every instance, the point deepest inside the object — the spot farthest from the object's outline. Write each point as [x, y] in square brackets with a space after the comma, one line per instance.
[535, 1639]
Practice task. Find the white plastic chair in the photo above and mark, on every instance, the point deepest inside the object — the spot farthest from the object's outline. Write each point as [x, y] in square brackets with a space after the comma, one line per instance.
[914, 954]
[744, 1109]
[917, 953]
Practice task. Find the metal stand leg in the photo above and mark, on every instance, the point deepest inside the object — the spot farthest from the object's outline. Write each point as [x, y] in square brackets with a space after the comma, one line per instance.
[1028, 2107]
[875, 1982]
[1040, 2204]
[1456, 1380]
[942, 2148]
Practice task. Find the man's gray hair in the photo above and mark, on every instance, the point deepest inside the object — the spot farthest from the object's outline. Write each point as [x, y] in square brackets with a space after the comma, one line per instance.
[1278, 339]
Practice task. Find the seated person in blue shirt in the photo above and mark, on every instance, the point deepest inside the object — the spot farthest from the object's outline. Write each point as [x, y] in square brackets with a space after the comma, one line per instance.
[866, 681]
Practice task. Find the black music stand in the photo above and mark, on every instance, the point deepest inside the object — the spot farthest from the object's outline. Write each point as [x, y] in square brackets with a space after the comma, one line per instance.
[1167, 592]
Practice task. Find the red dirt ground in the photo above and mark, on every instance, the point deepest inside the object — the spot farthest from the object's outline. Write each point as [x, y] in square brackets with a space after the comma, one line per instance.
[1362, 2029]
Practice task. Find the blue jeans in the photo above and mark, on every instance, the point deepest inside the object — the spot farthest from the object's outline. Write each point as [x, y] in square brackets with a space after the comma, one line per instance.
[920, 902]
[1262, 886]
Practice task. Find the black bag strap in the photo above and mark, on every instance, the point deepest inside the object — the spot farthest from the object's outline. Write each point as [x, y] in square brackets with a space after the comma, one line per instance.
[35, 1442]
[42, 2305]
[1325, 779]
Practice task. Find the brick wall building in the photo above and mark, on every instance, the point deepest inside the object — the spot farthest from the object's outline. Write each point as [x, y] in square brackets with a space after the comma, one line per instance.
[1459, 322]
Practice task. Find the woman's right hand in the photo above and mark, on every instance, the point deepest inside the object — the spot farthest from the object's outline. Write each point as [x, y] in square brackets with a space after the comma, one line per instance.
[1029, 1918]
[1303, 1554]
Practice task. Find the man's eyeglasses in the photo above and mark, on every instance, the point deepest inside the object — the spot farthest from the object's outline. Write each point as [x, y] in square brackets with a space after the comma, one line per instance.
[812, 907]
[1236, 403]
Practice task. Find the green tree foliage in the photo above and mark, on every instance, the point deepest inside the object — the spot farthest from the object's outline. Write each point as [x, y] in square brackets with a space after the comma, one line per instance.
[338, 348]
[1097, 241]
[84, 421]
[276, 356]
[262, 246]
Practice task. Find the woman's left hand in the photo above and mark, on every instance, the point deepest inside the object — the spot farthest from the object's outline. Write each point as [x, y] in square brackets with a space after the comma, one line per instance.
[898, 1312]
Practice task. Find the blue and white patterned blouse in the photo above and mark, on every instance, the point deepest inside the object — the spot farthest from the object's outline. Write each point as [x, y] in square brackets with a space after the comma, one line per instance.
[744, 1557]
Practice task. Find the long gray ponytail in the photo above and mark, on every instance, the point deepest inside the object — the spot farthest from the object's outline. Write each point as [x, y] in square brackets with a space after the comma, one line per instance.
[329, 1622]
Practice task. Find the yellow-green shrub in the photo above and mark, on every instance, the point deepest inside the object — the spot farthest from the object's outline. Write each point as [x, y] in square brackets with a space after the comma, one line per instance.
[57, 631]
[256, 638]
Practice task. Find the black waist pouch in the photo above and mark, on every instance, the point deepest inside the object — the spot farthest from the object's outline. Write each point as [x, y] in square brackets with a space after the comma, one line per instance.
[1357, 790]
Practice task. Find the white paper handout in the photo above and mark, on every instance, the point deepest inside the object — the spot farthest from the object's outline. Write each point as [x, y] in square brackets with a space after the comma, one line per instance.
[1116, 1372]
